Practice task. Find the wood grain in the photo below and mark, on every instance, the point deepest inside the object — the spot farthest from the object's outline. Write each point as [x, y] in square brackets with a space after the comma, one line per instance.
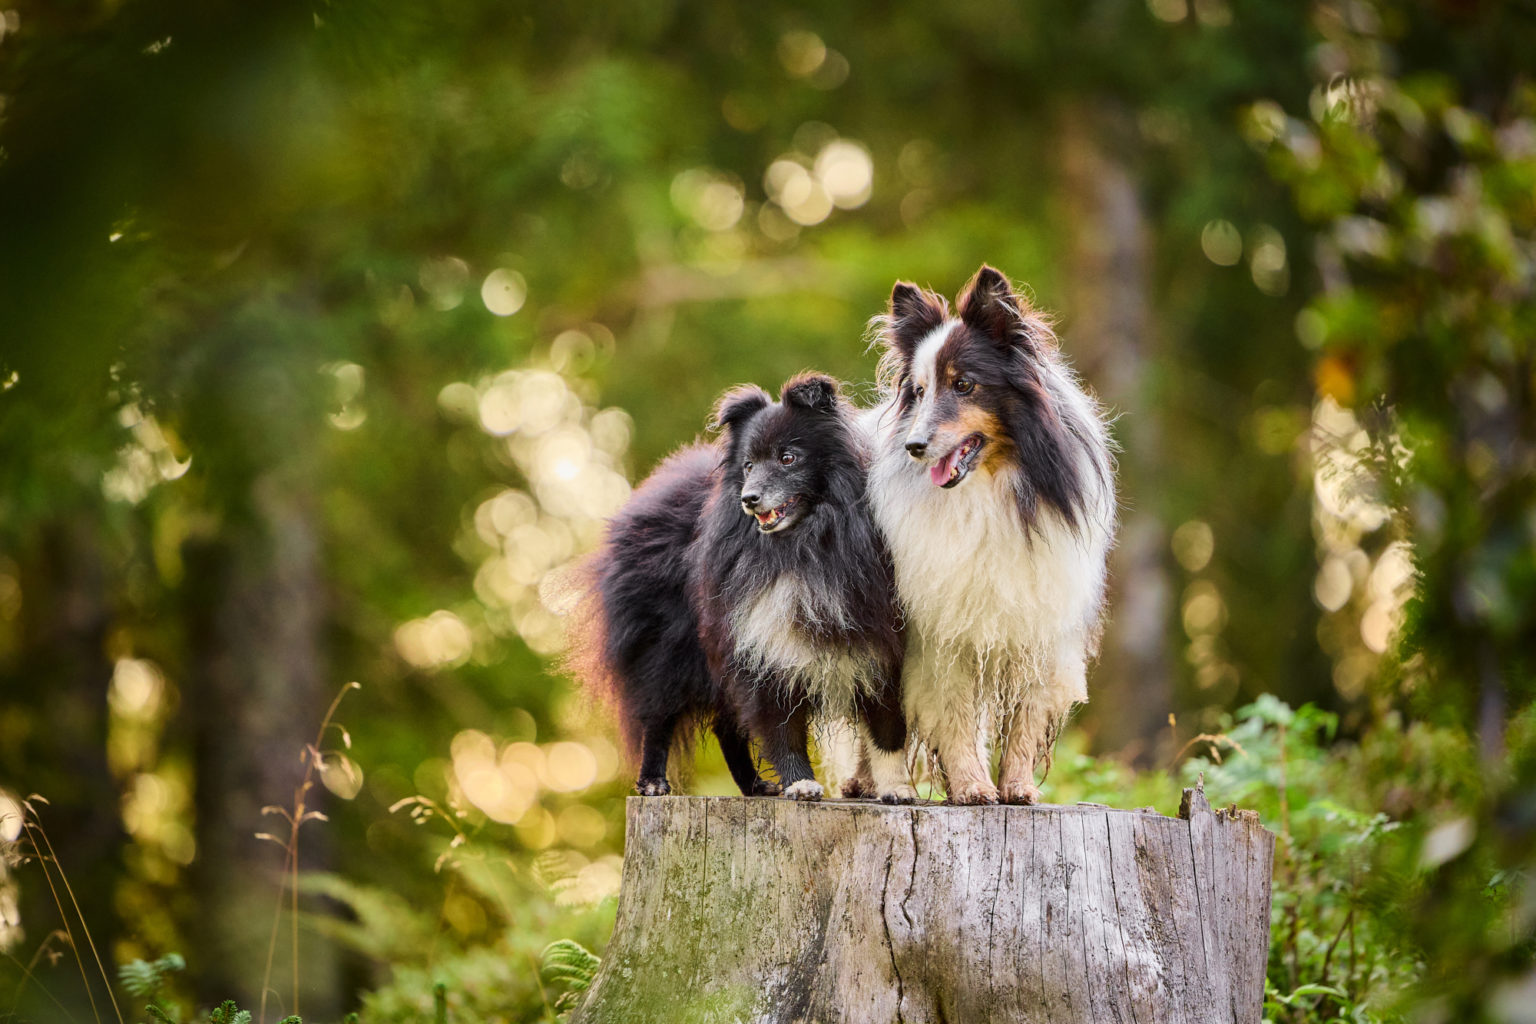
[767, 910]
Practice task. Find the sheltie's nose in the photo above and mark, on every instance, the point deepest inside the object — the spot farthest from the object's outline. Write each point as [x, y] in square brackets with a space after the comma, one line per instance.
[749, 501]
[917, 448]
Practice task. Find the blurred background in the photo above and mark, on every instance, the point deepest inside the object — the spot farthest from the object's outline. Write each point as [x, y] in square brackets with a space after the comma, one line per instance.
[329, 330]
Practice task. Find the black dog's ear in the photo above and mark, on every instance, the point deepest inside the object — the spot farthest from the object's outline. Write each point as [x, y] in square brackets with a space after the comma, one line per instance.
[988, 304]
[738, 405]
[914, 314]
[814, 391]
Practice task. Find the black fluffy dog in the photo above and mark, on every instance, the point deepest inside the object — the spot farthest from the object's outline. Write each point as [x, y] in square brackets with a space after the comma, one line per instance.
[745, 585]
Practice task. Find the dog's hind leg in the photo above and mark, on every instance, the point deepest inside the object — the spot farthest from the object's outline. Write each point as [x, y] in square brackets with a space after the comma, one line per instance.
[883, 735]
[738, 758]
[1029, 733]
[861, 784]
[655, 744]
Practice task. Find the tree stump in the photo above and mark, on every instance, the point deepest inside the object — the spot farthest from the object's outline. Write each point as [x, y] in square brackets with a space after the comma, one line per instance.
[764, 910]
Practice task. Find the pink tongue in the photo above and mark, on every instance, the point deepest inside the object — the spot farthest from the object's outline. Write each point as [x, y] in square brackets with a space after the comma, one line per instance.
[939, 472]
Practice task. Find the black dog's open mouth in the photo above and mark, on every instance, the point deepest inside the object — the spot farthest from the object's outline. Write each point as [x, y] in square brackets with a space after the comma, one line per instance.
[774, 517]
[955, 466]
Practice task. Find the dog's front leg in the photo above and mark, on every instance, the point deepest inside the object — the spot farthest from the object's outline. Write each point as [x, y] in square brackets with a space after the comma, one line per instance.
[954, 741]
[783, 729]
[939, 693]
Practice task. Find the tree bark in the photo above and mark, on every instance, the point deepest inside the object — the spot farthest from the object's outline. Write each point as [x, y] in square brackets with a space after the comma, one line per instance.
[774, 911]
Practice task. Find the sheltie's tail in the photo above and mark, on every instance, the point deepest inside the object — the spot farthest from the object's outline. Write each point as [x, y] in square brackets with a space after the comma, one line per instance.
[587, 658]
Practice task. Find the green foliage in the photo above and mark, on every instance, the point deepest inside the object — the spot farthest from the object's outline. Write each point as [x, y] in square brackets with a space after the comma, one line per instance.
[494, 972]
[145, 978]
[142, 979]
[228, 1013]
[570, 967]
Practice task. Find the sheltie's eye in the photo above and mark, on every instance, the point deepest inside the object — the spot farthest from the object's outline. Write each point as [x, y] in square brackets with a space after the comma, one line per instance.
[964, 385]
[917, 391]
[787, 459]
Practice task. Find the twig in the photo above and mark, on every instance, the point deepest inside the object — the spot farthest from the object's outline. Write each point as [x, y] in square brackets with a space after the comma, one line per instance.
[1328, 956]
[296, 819]
[1215, 739]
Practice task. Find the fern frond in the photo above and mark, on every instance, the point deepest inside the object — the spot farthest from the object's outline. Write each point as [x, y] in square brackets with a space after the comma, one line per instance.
[568, 963]
[143, 979]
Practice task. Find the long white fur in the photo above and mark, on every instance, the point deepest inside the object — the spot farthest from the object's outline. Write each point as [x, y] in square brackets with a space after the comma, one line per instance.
[1001, 621]
[769, 634]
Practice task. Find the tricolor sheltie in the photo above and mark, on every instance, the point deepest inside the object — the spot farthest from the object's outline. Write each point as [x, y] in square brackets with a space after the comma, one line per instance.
[745, 584]
[993, 483]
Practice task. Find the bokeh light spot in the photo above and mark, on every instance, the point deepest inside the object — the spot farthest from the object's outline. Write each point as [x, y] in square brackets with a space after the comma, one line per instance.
[1193, 545]
[504, 291]
[1222, 243]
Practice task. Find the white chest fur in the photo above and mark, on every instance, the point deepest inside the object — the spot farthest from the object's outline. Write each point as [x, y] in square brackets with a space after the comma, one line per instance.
[970, 575]
[771, 636]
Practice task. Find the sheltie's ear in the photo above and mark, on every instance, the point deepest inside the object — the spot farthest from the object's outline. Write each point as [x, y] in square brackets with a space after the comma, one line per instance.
[915, 313]
[738, 405]
[814, 391]
[988, 305]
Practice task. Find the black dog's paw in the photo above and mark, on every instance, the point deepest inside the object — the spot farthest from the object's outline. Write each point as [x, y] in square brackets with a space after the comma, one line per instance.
[762, 787]
[898, 798]
[652, 787]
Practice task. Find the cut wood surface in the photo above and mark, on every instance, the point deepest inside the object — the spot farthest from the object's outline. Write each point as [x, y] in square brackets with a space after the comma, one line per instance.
[767, 910]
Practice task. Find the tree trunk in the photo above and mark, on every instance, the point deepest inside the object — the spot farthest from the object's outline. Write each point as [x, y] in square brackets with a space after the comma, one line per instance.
[769, 910]
[61, 676]
[258, 691]
[1110, 334]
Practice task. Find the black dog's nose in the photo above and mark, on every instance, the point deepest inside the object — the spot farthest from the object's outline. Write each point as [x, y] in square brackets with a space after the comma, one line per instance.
[751, 500]
[916, 448]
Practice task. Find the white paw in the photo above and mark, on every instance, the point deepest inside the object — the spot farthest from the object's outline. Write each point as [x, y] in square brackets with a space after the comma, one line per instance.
[805, 789]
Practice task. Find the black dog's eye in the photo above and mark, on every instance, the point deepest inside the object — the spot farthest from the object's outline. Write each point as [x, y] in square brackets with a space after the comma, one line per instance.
[964, 386]
[747, 465]
[787, 459]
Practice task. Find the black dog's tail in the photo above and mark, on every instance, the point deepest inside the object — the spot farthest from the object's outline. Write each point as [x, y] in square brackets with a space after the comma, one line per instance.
[587, 659]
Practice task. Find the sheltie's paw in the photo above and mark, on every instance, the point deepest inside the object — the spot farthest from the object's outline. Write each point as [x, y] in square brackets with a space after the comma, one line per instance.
[762, 787]
[652, 787]
[899, 795]
[857, 789]
[975, 793]
[1020, 793]
[805, 789]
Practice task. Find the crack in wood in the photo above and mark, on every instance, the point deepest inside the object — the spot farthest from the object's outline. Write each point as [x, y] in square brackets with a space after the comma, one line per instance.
[755, 909]
[890, 943]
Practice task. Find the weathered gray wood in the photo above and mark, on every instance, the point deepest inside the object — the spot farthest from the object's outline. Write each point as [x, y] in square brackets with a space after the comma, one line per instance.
[768, 910]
